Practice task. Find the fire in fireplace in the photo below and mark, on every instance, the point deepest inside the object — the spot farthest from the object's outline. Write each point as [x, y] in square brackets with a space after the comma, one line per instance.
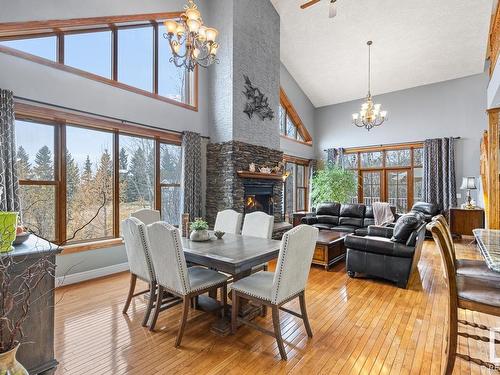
[259, 197]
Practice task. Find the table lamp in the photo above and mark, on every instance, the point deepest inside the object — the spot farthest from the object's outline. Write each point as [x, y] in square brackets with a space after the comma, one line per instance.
[469, 183]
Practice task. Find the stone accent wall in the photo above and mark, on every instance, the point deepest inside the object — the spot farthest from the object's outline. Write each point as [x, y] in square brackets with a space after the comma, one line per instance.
[225, 188]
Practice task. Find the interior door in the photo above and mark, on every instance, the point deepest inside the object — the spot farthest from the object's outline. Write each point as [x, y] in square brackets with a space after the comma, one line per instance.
[398, 189]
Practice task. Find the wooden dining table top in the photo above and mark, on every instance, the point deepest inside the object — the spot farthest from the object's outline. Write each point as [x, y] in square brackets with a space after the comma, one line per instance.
[233, 254]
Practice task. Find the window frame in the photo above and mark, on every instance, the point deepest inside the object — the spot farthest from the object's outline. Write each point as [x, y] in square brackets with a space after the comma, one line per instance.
[287, 159]
[60, 28]
[60, 120]
[290, 112]
[384, 168]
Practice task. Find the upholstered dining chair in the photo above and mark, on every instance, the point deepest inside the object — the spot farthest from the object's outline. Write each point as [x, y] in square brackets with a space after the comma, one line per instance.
[228, 221]
[173, 275]
[464, 292]
[258, 224]
[476, 268]
[137, 248]
[284, 285]
[147, 215]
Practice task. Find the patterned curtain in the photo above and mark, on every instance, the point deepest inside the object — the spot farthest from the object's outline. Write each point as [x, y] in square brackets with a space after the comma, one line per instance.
[9, 183]
[191, 174]
[439, 173]
[335, 157]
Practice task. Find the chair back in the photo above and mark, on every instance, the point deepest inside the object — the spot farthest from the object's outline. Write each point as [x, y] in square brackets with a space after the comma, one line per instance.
[168, 257]
[294, 262]
[137, 248]
[449, 238]
[147, 215]
[228, 221]
[258, 224]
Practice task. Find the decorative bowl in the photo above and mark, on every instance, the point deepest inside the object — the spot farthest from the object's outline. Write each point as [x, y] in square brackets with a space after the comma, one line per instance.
[21, 238]
[219, 234]
[199, 236]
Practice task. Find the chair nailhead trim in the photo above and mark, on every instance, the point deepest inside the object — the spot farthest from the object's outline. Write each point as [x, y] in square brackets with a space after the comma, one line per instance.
[145, 246]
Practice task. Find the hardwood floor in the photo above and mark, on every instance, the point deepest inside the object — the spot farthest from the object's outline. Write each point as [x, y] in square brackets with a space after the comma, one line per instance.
[360, 326]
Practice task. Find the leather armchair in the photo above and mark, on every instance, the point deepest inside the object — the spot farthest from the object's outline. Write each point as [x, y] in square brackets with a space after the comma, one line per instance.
[428, 210]
[390, 253]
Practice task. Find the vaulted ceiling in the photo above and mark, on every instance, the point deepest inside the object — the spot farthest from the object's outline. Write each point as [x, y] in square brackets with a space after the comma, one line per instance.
[415, 43]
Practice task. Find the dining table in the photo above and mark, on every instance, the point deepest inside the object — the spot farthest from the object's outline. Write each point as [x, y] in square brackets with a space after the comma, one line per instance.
[488, 243]
[235, 255]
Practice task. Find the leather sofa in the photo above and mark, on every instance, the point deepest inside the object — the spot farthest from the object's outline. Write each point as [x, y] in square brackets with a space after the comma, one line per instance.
[347, 218]
[391, 253]
[428, 211]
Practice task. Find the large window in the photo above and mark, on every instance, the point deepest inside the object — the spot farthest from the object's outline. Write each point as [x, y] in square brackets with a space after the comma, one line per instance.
[291, 125]
[80, 179]
[296, 187]
[387, 173]
[130, 55]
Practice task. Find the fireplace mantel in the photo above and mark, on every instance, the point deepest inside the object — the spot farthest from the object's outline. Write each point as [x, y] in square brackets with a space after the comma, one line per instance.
[260, 176]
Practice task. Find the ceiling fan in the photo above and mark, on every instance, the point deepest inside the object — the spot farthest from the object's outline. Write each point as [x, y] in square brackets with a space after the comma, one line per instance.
[333, 6]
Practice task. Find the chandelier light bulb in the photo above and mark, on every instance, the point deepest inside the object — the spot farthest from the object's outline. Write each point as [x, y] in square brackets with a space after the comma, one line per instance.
[211, 34]
[171, 26]
[193, 14]
[202, 34]
[193, 25]
[181, 30]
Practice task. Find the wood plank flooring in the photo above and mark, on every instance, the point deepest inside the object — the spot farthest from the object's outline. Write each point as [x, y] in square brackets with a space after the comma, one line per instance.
[360, 326]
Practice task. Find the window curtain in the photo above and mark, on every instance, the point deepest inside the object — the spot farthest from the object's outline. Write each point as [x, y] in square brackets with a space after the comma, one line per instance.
[9, 183]
[439, 172]
[191, 174]
[335, 157]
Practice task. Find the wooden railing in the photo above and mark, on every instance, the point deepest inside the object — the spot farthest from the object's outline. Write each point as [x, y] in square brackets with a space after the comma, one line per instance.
[494, 39]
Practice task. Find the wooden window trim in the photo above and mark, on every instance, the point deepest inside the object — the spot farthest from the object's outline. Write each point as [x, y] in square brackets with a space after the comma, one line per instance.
[306, 164]
[9, 31]
[294, 116]
[59, 120]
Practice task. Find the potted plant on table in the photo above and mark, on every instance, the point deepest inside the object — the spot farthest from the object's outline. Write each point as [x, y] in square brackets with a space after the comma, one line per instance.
[199, 230]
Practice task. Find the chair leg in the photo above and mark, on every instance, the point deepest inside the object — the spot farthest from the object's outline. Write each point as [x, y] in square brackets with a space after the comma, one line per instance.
[451, 343]
[303, 312]
[159, 298]
[224, 300]
[185, 311]
[131, 289]
[149, 308]
[234, 312]
[277, 331]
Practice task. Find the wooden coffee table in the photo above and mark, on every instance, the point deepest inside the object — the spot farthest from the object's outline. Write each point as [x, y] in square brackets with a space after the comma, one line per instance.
[330, 248]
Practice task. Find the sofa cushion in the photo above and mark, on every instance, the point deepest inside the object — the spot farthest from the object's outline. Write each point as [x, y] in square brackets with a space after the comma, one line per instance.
[327, 219]
[353, 210]
[352, 221]
[345, 228]
[323, 226]
[361, 231]
[428, 209]
[330, 208]
[367, 221]
[369, 212]
[404, 227]
[379, 245]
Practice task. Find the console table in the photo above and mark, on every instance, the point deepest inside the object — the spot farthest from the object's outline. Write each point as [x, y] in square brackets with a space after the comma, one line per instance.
[36, 352]
[463, 221]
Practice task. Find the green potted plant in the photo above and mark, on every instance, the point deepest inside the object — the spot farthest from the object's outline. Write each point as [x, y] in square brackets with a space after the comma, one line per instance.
[8, 227]
[199, 230]
[333, 184]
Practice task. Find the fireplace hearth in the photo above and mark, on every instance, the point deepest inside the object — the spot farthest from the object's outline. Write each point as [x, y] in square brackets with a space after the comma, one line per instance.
[259, 197]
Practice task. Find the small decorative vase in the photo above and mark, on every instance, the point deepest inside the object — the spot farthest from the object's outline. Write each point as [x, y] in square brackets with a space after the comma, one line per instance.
[9, 364]
[199, 235]
[8, 225]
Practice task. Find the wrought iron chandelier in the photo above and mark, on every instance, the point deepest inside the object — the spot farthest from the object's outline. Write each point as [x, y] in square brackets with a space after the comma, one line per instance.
[192, 43]
[370, 114]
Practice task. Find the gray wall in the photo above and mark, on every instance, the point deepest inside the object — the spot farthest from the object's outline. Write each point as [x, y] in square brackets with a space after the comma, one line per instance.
[306, 111]
[451, 108]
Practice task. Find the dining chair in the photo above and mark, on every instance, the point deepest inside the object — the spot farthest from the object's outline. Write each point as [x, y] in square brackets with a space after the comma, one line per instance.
[147, 215]
[284, 285]
[139, 261]
[173, 275]
[228, 221]
[476, 268]
[258, 224]
[464, 292]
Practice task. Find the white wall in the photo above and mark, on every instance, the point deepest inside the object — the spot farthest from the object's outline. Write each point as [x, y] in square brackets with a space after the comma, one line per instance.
[304, 108]
[452, 108]
[34, 81]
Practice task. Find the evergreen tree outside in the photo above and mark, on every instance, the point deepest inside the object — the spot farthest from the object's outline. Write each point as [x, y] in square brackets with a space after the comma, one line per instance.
[72, 176]
[23, 164]
[87, 170]
[44, 165]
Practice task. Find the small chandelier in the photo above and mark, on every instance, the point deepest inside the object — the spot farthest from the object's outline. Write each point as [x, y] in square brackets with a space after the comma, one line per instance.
[198, 40]
[370, 114]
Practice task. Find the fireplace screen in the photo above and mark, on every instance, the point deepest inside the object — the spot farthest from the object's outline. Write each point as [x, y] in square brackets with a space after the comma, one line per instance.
[259, 197]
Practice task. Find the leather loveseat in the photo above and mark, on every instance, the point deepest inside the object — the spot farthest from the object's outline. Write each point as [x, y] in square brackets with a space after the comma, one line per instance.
[347, 218]
[390, 253]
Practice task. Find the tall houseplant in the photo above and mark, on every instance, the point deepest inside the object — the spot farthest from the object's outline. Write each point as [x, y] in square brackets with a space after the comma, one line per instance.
[333, 184]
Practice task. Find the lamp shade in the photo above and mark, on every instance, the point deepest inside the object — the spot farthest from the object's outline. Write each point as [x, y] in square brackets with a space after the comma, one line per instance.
[468, 183]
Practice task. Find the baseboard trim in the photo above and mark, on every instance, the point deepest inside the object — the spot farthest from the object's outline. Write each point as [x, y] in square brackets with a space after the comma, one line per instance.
[91, 274]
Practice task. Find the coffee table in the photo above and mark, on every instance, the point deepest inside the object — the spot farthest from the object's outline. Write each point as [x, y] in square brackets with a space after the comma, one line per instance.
[330, 248]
